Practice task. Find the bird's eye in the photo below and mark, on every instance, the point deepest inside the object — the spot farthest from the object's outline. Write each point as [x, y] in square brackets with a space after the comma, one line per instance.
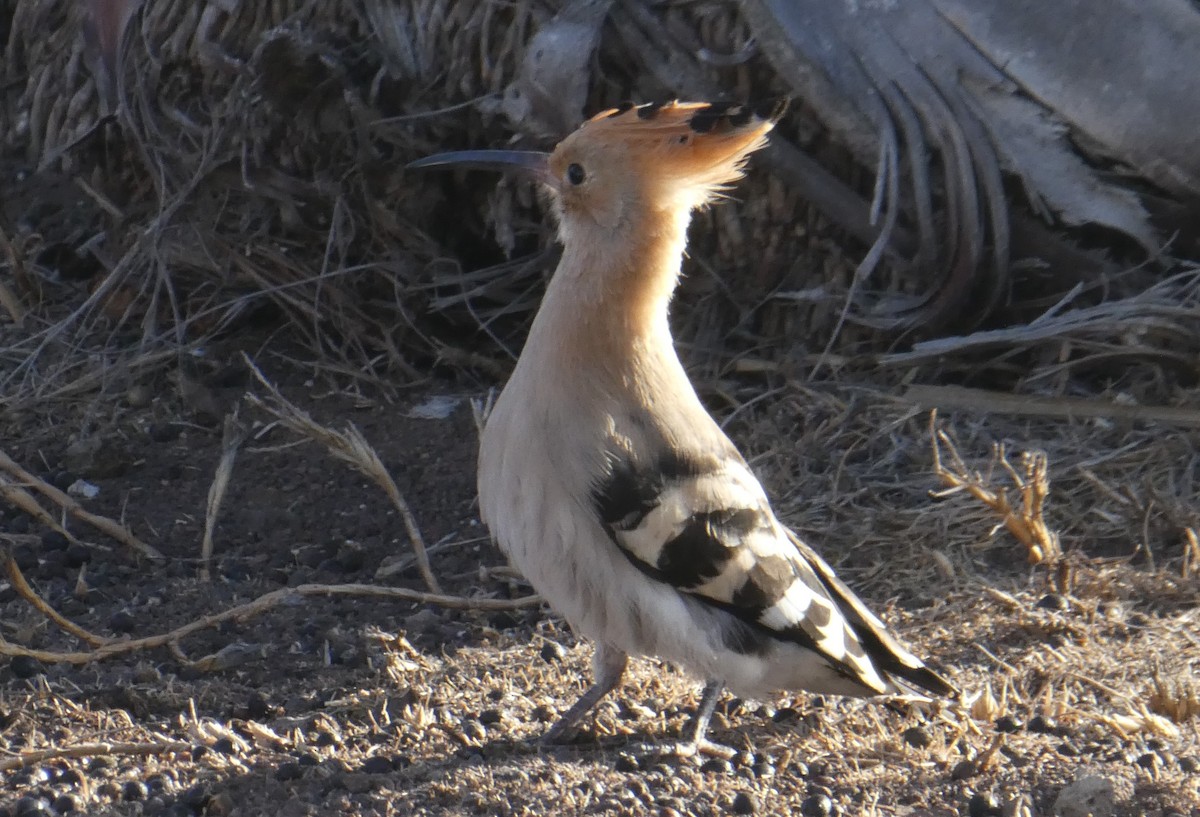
[575, 174]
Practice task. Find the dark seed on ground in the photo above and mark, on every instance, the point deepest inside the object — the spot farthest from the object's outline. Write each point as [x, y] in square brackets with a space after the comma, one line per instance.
[918, 736]
[78, 555]
[627, 763]
[289, 770]
[1148, 761]
[964, 769]
[984, 805]
[817, 805]
[110, 790]
[224, 746]
[66, 803]
[257, 707]
[134, 790]
[716, 765]
[1008, 724]
[1053, 601]
[196, 798]
[1067, 749]
[31, 806]
[122, 621]
[55, 540]
[1043, 725]
[785, 714]
[744, 803]
[376, 764]
[219, 805]
[98, 765]
[1189, 765]
[23, 666]
[763, 770]
[490, 717]
[552, 651]
[199, 752]
[307, 759]
[70, 777]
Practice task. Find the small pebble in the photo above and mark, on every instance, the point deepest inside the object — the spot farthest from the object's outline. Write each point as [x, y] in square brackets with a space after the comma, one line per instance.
[552, 651]
[763, 770]
[1053, 601]
[918, 737]
[817, 805]
[199, 751]
[1148, 761]
[99, 765]
[984, 805]
[224, 746]
[744, 803]
[24, 666]
[70, 777]
[1189, 765]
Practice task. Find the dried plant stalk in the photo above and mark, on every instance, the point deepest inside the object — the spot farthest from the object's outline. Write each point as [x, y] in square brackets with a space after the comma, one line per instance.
[1177, 699]
[351, 447]
[260, 605]
[231, 441]
[105, 525]
[1025, 520]
[35, 757]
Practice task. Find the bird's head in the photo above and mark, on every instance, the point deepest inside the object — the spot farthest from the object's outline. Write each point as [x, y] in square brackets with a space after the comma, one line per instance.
[636, 163]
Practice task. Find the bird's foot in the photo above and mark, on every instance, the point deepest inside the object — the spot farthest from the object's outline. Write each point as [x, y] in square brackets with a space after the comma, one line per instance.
[704, 746]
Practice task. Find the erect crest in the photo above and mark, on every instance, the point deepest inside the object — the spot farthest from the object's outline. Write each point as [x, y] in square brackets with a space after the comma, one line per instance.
[701, 143]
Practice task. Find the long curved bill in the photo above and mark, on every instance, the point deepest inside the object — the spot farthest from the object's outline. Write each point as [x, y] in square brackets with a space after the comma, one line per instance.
[533, 162]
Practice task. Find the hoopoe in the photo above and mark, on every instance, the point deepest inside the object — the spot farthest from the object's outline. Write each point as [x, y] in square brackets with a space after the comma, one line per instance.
[608, 484]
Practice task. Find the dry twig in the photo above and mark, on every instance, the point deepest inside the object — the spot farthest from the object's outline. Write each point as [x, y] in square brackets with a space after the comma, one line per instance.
[21, 586]
[1024, 521]
[105, 525]
[92, 750]
[231, 441]
[351, 447]
[260, 605]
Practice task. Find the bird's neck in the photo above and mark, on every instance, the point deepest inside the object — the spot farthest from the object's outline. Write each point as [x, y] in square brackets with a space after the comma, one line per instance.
[610, 295]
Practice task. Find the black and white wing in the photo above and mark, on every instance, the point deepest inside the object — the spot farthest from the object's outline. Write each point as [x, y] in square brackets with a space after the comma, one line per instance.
[702, 525]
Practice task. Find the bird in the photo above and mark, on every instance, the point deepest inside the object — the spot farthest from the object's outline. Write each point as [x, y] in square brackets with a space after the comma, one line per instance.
[605, 480]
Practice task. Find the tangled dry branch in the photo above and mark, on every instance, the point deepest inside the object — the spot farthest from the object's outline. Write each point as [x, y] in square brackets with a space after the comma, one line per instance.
[1024, 519]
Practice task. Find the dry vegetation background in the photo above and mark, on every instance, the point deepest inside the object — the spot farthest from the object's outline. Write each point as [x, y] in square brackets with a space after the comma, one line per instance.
[227, 307]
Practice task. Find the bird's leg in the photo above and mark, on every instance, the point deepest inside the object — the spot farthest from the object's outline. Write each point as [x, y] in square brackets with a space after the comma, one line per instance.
[608, 665]
[695, 741]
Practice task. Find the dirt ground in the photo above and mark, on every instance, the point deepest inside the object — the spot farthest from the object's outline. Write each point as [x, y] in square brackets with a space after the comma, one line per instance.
[366, 706]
